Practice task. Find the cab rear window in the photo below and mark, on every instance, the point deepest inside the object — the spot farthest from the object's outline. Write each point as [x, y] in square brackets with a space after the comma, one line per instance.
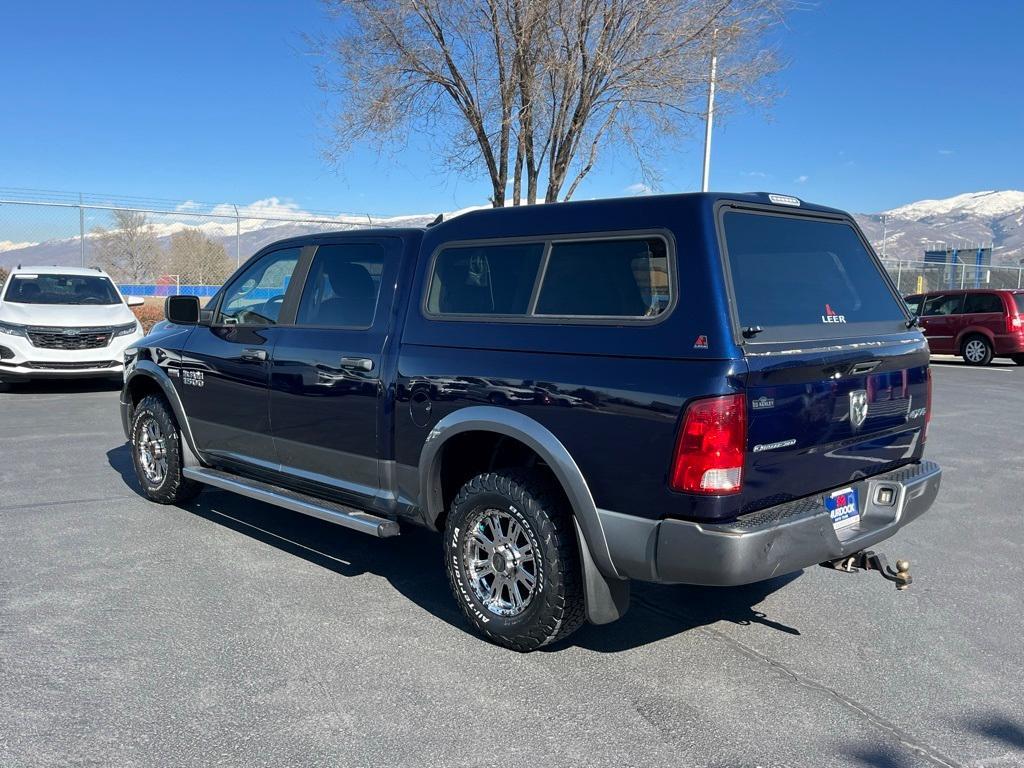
[801, 278]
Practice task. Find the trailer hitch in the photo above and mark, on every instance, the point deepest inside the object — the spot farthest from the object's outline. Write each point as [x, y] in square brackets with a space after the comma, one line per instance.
[866, 560]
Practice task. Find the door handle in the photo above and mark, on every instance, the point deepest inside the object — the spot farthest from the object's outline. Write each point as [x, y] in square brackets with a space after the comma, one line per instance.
[357, 363]
[254, 354]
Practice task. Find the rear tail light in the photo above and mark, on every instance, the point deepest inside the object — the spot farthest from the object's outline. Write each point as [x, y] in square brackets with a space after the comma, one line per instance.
[711, 446]
[1014, 324]
[927, 404]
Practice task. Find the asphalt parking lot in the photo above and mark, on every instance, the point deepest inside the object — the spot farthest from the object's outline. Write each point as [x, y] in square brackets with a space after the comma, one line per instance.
[233, 633]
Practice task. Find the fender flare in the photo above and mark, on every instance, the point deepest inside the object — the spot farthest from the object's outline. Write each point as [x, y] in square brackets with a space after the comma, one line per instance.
[606, 591]
[153, 372]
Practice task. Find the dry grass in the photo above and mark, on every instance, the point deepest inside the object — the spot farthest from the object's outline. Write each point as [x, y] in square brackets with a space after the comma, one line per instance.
[150, 313]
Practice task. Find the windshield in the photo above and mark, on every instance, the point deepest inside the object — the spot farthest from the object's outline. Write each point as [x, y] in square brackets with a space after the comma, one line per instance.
[804, 278]
[61, 289]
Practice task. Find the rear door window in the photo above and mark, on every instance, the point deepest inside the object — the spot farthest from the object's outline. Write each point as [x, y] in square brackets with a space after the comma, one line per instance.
[804, 278]
[343, 286]
[981, 303]
[1019, 298]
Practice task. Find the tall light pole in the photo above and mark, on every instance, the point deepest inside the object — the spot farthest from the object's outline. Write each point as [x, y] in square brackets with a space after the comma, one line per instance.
[706, 177]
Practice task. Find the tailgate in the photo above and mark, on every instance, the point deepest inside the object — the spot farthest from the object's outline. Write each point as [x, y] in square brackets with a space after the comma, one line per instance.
[823, 422]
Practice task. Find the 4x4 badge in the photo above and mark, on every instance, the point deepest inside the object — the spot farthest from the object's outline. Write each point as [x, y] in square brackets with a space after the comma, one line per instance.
[858, 407]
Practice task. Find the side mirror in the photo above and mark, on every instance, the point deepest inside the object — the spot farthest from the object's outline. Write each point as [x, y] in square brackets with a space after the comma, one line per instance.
[182, 310]
[135, 301]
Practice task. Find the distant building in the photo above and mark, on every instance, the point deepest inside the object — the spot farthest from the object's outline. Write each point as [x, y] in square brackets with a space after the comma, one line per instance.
[965, 266]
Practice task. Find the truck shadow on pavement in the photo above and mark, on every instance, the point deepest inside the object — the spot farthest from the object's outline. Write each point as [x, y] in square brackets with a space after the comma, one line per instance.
[658, 611]
[412, 563]
[997, 729]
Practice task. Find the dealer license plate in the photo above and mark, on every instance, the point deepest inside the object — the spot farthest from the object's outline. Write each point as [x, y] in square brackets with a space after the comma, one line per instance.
[843, 508]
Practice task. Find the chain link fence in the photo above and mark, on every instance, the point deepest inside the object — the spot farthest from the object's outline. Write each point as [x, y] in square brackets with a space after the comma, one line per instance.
[156, 247]
[919, 276]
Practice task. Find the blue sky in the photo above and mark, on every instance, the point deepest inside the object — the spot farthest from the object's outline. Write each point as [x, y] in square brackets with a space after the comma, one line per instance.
[884, 103]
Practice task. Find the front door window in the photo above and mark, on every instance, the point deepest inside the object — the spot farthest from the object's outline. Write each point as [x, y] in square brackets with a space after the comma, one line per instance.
[256, 296]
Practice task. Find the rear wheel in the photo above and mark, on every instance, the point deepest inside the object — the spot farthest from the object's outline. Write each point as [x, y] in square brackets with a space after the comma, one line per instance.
[512, 560]
[157, 455]
[977, 351]
[1018, 359]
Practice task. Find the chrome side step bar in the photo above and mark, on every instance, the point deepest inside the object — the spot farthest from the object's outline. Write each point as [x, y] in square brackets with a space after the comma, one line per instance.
[331, 511]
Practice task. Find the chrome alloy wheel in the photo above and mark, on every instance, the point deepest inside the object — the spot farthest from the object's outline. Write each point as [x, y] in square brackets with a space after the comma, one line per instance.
[975, 350]
[500, 562]
[151, 449]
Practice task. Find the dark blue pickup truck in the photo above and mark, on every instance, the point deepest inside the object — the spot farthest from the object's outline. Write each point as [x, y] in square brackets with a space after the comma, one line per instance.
[705, 389]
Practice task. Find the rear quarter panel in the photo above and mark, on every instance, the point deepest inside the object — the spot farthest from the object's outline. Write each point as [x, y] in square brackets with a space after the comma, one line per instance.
[616, 416]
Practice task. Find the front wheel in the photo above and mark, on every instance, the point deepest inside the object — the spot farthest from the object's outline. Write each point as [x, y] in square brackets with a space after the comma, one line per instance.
[512, 560]
[157, 455]
[977, 351]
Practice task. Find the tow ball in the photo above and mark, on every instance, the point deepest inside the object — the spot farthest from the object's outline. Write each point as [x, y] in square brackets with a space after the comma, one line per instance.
[866, 560]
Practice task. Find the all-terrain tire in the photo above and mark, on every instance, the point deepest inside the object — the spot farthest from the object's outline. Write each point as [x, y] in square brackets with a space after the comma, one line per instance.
[555, 608]
[153, 417]
[976, 350]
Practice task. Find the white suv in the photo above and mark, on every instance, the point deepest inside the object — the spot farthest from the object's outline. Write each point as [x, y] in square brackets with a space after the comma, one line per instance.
[64, 322]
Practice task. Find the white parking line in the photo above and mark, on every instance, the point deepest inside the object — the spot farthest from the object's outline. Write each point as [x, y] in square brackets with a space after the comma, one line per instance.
[951, 366]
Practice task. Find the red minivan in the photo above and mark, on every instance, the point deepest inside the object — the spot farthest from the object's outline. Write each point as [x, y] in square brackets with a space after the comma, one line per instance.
[977, 324]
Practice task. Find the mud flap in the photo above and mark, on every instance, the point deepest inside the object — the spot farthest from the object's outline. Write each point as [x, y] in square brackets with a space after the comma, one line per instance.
[607, 600]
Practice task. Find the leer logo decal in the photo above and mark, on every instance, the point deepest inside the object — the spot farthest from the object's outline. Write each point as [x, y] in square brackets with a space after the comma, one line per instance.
[831, 316]
[701, 342]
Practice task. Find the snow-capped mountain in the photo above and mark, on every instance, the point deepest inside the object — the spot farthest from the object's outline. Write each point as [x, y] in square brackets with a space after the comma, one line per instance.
[995, 217]
[984, 204]
[243, 228]
[253, 233]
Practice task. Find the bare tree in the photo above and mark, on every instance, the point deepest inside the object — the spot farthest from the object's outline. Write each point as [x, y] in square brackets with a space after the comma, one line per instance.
[129, 251]
[198, 260]
[3, 276]
[537, 89]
